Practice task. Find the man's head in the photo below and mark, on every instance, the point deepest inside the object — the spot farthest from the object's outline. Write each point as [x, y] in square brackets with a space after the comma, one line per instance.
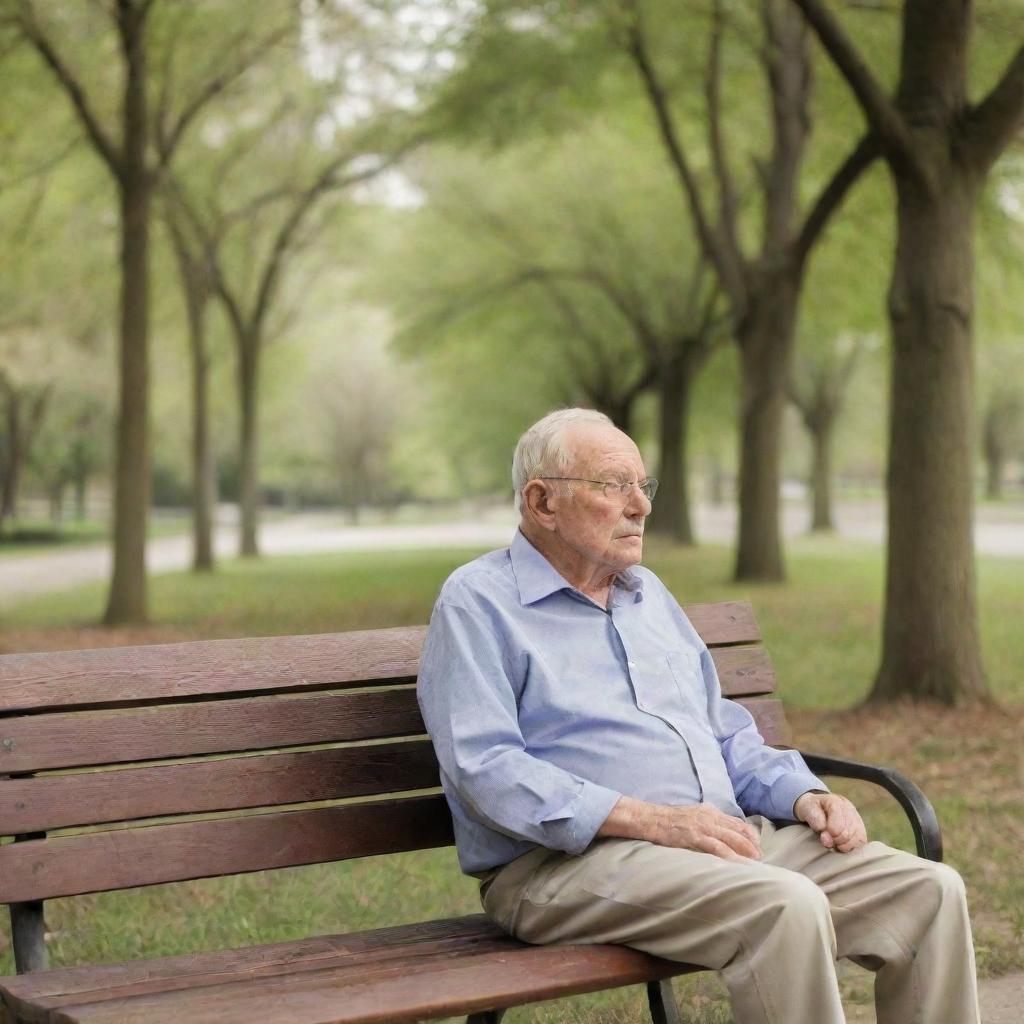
[576, 479]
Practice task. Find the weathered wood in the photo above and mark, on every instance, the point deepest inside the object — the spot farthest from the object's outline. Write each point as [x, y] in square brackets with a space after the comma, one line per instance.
[97, 797]
[429, 988]
[124, 858]
[83, 738]
[461, 936]
[724, 622]
[125, 675]
[744, 671]
[75, 739]
[770, 717]
[210, 668]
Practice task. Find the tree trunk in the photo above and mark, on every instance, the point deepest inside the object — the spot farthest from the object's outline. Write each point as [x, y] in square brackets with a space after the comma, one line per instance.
[248, 459]
[57, 504]
[716, 479]
[766, 347]
[931, 647]
[671, 514]
[821, 473]
[127, 598]
[81, 484]
[995, 456]
[204, 482]
[15, 457]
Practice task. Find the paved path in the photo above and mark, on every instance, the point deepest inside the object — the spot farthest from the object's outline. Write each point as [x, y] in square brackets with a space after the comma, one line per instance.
[1001, 1002]
[1000, 531]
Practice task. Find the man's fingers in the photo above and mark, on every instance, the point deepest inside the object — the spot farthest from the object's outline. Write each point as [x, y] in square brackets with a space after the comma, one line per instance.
[816, 817]
[718, 848]
[738, 841]
[742, 827]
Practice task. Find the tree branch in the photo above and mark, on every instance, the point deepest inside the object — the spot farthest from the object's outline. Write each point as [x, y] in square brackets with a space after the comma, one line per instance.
[728, 204]
[832, 195]
[327, 180]
[30, 28]
[730, 273]
[992, 124]
[884, 119]
[168, 138]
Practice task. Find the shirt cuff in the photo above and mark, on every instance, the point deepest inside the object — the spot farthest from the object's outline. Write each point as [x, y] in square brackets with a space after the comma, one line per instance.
[573, 828]
[788, 790]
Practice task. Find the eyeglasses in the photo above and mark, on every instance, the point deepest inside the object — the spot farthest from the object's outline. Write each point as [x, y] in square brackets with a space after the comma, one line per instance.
[612, 489]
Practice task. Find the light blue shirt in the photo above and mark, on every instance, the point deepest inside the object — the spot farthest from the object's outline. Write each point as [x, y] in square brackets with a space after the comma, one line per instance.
[545, 708]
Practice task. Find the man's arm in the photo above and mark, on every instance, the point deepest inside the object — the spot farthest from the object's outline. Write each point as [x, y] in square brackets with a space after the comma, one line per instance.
[468, 703]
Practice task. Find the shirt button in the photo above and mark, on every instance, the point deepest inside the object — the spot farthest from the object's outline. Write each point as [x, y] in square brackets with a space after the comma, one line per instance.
[631, 664]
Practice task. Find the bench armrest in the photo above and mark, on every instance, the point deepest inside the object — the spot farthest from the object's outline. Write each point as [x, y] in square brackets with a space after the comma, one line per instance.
[917, 806]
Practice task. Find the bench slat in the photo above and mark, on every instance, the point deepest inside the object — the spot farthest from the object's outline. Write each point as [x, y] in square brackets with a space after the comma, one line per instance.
[770, 717]
[41, 869]
[48, 989]
[429, 988]
[160, 672]
[94, 798]
[74, 739]
[724, 622]
[63, 739]
[211, 668]
[744, 671]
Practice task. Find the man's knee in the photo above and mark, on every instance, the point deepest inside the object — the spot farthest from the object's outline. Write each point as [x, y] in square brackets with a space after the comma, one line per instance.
[797, 903]
[942, 883]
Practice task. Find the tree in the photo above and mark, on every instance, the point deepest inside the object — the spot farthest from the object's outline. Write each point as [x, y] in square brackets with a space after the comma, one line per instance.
[53, 319]
[247, 237]
[579, 56]
[939, 148]
[197, 292]
[840, 325]
[817, 389]
[566, 248]
[763, 289]
[132, 58]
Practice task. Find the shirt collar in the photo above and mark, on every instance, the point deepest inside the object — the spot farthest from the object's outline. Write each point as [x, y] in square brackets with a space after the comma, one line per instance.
[537, 578]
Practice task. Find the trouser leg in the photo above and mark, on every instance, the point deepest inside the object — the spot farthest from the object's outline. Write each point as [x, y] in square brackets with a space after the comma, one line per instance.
[899, 915]
[767, 930]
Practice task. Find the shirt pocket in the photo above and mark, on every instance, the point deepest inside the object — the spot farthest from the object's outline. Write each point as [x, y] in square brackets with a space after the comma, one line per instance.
[689, 679]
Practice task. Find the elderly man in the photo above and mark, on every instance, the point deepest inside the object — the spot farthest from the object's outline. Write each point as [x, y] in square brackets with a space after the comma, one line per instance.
[604, 791]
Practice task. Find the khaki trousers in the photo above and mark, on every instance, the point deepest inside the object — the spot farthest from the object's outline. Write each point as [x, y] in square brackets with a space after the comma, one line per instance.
[773, 928]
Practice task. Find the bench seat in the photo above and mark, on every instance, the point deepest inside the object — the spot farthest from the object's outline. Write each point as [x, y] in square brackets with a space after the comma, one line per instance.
[408, 973]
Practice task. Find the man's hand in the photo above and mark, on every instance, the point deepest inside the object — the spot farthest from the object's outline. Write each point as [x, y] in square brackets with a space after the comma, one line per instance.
[699, 827]
[834, 818]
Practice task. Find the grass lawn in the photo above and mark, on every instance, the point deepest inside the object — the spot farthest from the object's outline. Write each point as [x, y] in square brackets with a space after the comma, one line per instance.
[821, 629]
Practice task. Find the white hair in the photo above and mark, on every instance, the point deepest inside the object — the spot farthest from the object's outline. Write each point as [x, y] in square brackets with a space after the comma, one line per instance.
[542, 450]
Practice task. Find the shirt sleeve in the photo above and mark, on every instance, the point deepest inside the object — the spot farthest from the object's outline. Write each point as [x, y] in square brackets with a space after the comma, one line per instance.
[766, 780]
[468, 703]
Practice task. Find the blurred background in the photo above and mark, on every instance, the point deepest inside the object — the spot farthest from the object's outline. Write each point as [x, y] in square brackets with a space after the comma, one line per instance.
[281, 284]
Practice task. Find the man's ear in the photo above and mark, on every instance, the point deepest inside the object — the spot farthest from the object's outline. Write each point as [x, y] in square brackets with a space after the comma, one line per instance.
[539, 501]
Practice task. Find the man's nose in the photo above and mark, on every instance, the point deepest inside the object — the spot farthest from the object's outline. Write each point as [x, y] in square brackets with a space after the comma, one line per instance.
[639, 504]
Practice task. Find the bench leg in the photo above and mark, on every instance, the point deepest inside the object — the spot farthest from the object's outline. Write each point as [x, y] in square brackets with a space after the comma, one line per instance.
[487, 1017]
[27, 937]
[662, 1001]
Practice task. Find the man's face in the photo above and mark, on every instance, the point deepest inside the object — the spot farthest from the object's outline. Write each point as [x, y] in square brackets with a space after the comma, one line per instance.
[605, 531]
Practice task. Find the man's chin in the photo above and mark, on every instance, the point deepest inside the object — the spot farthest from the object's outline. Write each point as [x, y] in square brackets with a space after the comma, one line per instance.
[634, 543]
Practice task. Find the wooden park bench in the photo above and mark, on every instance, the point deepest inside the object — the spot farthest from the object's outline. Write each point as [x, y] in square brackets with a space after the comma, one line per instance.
[80, 730]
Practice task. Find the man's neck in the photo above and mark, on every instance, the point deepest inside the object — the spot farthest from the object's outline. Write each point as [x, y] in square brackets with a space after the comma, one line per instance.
[571, 566]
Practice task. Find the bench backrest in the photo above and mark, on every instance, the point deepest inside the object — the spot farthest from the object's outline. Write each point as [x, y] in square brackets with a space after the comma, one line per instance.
[133, 766]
